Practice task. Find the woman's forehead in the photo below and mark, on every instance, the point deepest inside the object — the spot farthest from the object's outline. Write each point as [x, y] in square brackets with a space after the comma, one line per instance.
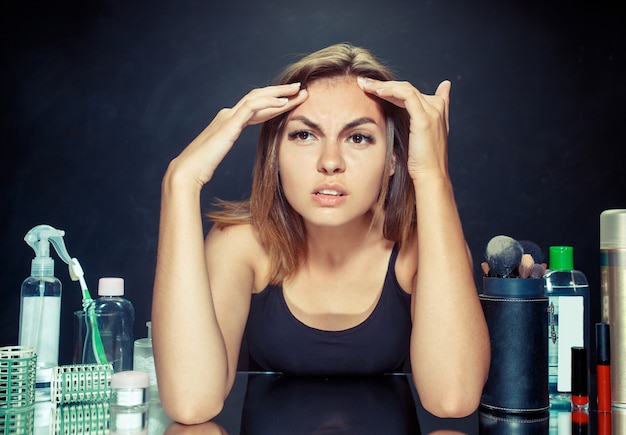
[338, 98]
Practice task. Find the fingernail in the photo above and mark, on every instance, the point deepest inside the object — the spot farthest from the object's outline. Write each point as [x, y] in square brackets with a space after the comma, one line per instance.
[295, 85]
[283, 100]
[362, 81]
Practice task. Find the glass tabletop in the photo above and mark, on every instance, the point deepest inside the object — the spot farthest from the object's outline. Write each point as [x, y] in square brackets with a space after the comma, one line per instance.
[271, 403]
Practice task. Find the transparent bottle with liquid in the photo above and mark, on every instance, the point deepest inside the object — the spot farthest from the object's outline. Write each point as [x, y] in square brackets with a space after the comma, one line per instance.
[568, 321]
[40, 318]
[40, 306]
[143, 359]
[115, 316]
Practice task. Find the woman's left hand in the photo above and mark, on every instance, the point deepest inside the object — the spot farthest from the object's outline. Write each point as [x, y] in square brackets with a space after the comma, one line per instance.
[429, 126]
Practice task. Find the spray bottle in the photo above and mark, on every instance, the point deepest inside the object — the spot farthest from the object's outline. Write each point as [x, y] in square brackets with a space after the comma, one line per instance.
[40, 305]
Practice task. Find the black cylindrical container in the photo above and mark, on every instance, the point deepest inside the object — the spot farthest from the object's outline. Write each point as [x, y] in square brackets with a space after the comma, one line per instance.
[515, 310]
[500, 424]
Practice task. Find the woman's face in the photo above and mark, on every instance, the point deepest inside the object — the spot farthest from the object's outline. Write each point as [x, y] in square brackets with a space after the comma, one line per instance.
[332, 153]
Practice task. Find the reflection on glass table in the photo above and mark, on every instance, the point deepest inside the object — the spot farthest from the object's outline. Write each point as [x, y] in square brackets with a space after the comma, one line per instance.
[272, 403]
[381, 404]
[265, 403]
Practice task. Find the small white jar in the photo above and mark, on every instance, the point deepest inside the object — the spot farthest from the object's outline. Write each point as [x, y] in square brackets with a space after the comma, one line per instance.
[129, 402]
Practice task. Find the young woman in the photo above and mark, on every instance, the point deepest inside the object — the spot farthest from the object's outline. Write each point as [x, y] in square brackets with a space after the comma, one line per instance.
[349, 257]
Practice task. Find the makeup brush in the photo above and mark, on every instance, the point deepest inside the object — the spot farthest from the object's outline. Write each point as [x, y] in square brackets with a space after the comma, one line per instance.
[533, 249]
[525, 266]
[537, 271]
[503, 254]
[485, 268]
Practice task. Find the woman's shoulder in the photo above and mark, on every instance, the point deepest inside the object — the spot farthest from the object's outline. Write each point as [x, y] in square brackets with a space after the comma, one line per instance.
[238, 248]
[231, 230]
[239, 240]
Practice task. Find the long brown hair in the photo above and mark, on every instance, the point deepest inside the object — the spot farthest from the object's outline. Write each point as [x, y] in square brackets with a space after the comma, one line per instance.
[279, 227]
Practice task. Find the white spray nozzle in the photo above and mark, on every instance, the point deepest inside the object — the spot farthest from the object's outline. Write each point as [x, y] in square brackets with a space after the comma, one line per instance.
[39, 238]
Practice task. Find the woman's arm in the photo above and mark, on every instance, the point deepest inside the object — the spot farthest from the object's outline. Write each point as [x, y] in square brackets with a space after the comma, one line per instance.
[450, 342]
[195, 343]
[450, 351]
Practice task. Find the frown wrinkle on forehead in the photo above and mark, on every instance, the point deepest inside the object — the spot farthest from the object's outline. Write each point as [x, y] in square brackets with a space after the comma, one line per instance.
[339, 101]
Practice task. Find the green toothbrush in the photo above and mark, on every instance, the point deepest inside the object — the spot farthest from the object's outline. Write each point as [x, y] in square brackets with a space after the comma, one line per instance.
[77, 274]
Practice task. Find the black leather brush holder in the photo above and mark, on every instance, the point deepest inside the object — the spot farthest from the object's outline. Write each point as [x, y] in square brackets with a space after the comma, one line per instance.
[516, 314]
[518, 424]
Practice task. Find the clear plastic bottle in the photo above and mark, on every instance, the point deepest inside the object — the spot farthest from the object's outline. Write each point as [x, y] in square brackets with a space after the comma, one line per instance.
[568, 320]
[115, 316]
[40, 306]
[143, 359]
[40, 316]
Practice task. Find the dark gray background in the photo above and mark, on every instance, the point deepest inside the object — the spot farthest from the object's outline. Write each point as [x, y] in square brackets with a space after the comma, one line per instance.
[99, 96]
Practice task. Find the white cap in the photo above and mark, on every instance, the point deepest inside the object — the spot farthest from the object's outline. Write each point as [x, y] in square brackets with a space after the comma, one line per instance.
[111, 287]
[130, 379]
[613, 229]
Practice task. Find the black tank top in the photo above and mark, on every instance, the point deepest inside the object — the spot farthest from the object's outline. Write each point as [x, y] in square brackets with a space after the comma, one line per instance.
[278, 341]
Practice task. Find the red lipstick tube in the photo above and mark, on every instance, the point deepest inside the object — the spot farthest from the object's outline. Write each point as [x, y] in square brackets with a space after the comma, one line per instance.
[604, 423]
[603, 366]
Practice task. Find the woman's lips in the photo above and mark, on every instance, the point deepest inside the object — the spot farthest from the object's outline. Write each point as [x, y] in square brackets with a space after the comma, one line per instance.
[329, 192]
[329, 197]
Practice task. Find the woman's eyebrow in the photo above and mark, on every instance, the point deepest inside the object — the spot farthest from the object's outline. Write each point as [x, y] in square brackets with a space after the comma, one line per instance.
[352, 124]
[359, 121]
[306, 121]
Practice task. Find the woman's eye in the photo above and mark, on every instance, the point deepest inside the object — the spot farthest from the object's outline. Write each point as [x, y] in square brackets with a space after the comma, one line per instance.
[359, 138]
[300, 135]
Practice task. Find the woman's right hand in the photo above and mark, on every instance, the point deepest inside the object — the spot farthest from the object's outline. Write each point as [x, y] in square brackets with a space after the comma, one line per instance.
[200, 158]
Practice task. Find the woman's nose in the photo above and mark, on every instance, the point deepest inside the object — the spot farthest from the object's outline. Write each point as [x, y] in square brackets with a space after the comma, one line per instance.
[331, 160]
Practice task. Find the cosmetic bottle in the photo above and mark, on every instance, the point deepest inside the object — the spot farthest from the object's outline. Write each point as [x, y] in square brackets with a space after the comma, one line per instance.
[115, 316]
[143, 359]
[613, 290]
[129, 402]
[40, 306]
[567, 290]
